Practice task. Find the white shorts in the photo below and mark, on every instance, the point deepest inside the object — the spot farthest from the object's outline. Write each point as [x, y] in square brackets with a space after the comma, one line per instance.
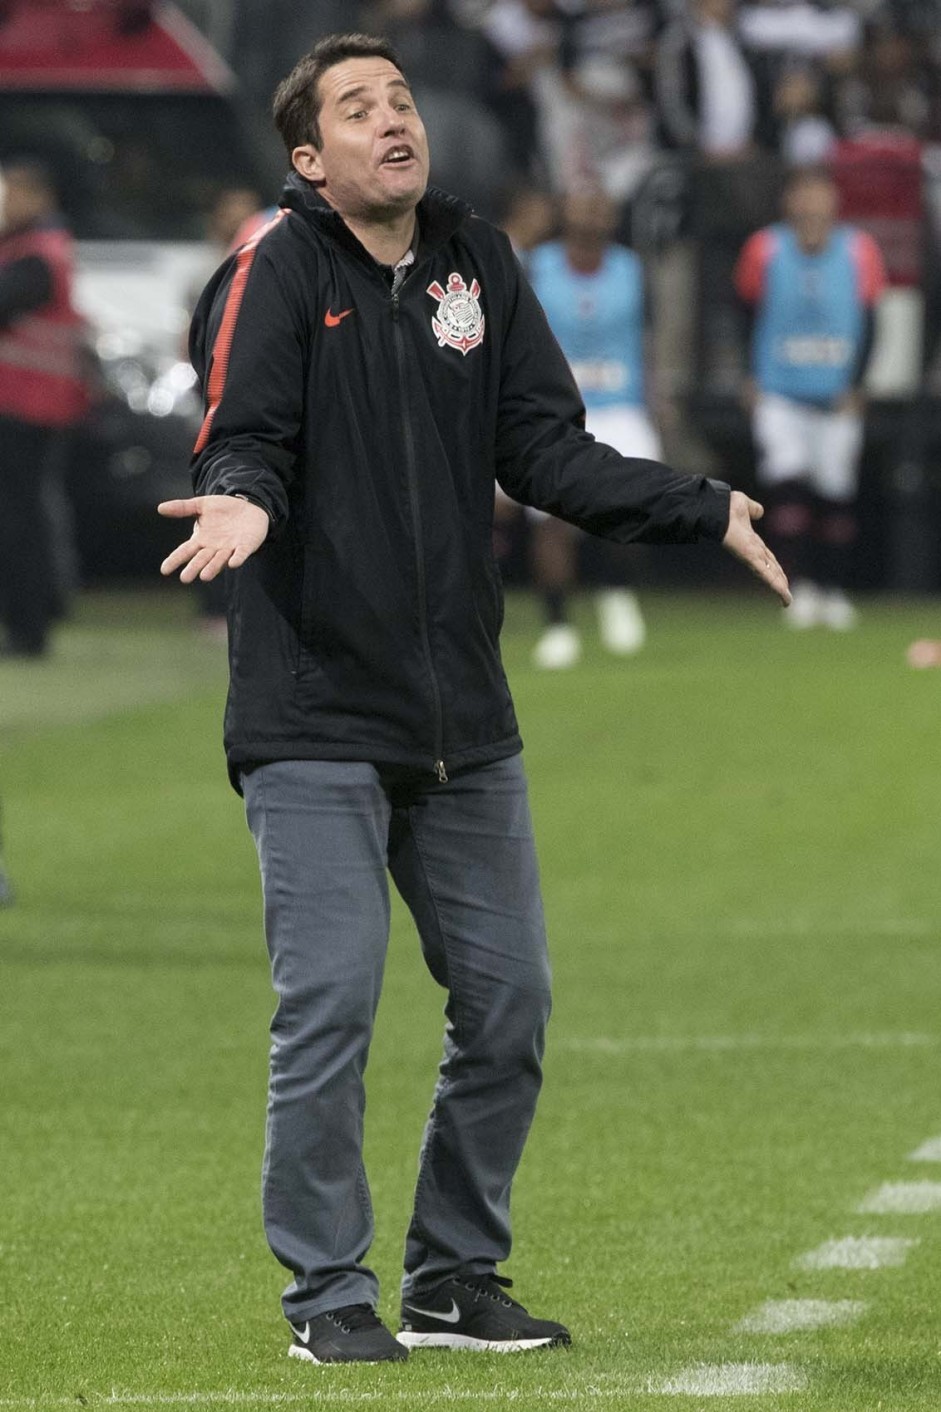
[628, 429]
[818, 446]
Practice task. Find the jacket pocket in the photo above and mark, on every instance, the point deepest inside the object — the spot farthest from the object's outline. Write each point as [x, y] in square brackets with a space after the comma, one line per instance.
[308, 632]
[495, 587]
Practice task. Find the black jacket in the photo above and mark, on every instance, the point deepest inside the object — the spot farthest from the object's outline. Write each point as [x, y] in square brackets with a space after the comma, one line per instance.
[371, 427]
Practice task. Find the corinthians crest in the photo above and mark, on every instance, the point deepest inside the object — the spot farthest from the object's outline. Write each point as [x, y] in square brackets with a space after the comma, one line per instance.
[459, 321]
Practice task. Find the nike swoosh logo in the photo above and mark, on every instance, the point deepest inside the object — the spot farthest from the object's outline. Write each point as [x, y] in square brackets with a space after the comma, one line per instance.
[331, 319]
[451, 1317]
[305, 1336]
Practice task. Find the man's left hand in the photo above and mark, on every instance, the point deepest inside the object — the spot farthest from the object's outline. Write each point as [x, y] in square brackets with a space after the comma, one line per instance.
[742, 541]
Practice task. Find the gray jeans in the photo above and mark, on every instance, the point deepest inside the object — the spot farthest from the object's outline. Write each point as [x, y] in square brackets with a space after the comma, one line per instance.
[462, 857]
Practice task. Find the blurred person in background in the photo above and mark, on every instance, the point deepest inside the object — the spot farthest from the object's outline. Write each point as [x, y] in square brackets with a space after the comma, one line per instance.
[526, 38]
[707, 95]
[806, 135]
[592, 291]
[371, 364]
[43, 393]
[613, 129]
[892, 86]
[235, 215]
[802, 53]
[527, 219]
[811, 286]
[606, 58]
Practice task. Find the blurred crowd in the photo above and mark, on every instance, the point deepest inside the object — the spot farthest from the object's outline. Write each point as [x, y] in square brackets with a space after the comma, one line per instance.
[595, 89]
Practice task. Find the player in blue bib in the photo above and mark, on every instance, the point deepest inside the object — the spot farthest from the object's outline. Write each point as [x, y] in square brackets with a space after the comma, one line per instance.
[812, 285]
[592, 290]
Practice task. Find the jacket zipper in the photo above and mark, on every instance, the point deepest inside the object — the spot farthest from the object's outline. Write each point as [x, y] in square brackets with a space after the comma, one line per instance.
[438, 765]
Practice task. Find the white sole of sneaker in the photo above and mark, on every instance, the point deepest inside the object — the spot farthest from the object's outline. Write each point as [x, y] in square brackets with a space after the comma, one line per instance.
[296, 1352]
[472, 1345]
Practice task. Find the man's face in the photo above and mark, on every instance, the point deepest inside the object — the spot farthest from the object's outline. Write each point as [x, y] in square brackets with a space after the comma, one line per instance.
[588, 218]
[23, 202]
[373, 157]
[811, 208]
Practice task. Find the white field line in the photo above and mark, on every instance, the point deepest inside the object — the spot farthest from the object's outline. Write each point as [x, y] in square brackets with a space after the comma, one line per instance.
[721, 1043]
[929, 1151]
[732, 1379]
[909, 1198]
[857, 1253]
[787, 1316]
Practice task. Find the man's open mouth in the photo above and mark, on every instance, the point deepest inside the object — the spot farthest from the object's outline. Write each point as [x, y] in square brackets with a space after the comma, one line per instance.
[397, 155]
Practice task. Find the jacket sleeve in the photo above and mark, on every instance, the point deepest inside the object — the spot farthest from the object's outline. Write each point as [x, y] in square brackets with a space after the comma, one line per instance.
[248, 346]
[676, 85]
[546, 458]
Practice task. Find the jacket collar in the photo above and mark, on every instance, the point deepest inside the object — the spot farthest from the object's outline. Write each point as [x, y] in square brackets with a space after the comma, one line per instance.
[439, 216]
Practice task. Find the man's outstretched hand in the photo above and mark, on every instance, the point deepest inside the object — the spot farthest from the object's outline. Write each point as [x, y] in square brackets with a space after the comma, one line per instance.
[226, 532]
[742, 541]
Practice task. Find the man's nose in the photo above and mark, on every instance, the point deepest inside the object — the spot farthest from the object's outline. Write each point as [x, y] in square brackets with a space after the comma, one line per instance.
[391, 121]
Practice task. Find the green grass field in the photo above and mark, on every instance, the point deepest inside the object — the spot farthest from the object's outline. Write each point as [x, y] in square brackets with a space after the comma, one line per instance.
[740, 835]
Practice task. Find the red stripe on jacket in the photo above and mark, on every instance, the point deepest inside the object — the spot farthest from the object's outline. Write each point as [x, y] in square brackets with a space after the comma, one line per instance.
[223, 344]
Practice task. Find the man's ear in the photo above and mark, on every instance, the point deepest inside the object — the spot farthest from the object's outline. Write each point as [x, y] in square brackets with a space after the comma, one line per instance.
[306, 161]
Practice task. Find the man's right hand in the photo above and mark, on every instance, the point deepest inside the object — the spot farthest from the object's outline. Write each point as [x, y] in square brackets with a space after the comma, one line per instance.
[742, 541]
[226, 532]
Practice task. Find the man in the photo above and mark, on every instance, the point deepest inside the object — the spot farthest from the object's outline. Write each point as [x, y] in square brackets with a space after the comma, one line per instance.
[592, 291]
[42, 394]
[371, 363]
[813, 285]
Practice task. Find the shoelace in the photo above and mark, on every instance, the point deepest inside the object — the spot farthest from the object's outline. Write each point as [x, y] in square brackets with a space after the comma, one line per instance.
[489, 1287]
[354, 1317]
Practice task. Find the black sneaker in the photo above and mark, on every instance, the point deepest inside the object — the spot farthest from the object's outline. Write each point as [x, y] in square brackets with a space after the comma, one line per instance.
[472, 1311]
[354, 1334]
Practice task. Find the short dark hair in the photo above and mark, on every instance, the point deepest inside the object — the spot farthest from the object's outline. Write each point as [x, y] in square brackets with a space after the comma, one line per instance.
[296, 104]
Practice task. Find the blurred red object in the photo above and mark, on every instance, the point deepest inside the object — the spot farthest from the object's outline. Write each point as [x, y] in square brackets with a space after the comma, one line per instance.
[879, 176]
[105, 44]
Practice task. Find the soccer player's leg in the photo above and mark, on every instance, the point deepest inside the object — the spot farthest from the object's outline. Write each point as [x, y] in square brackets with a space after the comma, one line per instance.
[554, 558]
[782, 432]
[621, 626]
[835, 477]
